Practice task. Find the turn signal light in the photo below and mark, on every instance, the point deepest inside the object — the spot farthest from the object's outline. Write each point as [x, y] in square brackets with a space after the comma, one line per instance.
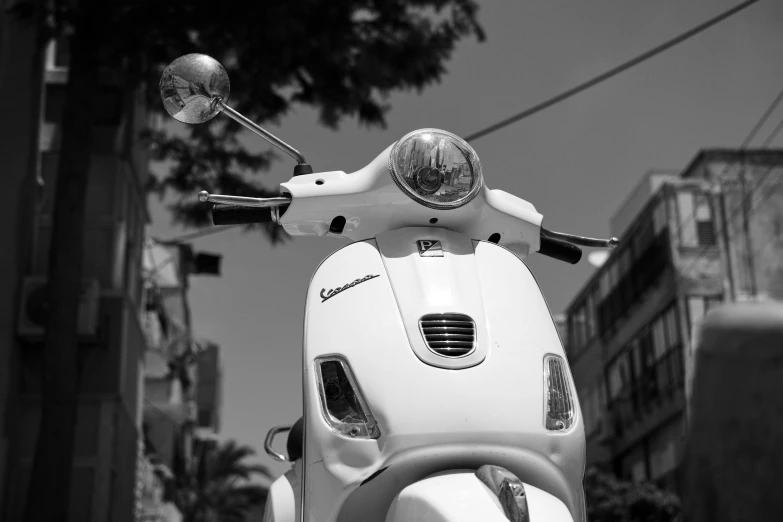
[342, 403]
[559, 398]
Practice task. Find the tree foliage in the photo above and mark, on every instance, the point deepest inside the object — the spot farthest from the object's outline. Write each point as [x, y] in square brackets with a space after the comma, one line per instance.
[221, 489]
[613, 500]
[342, 57]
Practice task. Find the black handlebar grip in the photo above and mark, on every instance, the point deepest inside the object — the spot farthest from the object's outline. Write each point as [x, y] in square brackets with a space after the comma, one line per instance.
[239, 215]
[560, 250]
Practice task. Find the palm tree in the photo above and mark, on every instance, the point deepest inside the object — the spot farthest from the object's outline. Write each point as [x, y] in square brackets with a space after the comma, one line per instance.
[221, 488]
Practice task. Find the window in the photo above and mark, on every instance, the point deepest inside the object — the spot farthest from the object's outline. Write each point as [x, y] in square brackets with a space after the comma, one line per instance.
[58, 53]
[672, 328]
[705, 232]
[660, 346]
[592, 401]
[604, 285]
[591, 318]
[624, 263]
[659, 216]
[664, 449]
[687, 224]
[614, 274]
[577, 336]
[643, 236]
[648, 371]
[696, 226]
[619, 374]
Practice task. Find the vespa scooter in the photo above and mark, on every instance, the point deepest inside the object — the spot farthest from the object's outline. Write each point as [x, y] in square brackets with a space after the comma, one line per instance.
[435, 385]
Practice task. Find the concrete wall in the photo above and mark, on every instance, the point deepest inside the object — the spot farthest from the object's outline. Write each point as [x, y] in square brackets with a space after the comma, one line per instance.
[20, 89]
[106, 424]
[110, 407]
[103, 475]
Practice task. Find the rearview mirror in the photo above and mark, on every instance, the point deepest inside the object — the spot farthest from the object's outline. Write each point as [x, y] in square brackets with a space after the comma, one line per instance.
[193, 87]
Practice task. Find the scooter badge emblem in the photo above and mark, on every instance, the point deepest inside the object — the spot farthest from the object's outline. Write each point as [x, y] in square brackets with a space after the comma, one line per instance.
[334, 291]
[429, 248]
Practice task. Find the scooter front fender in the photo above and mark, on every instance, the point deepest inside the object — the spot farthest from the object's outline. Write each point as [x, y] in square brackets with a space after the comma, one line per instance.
[459, 496]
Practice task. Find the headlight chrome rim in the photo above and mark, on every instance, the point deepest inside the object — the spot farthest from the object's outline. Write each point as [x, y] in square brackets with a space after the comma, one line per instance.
[463, 147]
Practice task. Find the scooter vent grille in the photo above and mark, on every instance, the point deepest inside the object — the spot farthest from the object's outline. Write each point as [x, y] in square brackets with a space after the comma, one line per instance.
[449, 335]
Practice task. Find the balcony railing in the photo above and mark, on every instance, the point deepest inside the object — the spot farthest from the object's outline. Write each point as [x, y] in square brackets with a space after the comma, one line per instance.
[643, 273]
[654, 387]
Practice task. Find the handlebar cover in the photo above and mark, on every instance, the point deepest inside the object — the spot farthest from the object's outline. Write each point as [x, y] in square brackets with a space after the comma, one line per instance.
[239, 215]
[560, 250]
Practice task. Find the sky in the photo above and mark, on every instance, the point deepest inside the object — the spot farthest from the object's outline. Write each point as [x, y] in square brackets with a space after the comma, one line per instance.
[576, 161]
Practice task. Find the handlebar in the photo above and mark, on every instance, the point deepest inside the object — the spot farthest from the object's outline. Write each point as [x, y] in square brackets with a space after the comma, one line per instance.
[234, 210]
[239, 210]
[565, 247]
[560, 250]
[239, 215]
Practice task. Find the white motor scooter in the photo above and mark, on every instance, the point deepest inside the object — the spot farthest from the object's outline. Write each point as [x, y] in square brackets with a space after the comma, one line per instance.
[435, 384]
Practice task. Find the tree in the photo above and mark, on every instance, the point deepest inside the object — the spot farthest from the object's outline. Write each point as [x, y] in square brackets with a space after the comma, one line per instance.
[613, 500]
[343, 57]
[221, 488]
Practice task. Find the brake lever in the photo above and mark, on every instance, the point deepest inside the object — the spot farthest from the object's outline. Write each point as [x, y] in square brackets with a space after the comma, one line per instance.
[243, 201]
[610, 243]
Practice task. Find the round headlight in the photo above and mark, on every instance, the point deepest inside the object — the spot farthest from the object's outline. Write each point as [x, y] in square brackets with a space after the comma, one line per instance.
[436, 168]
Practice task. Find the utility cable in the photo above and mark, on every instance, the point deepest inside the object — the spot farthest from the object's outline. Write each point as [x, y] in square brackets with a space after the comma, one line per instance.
[750, 137]
[763, 120]
[746, 197]
[773, 135]
[554, 100]
[611, 72]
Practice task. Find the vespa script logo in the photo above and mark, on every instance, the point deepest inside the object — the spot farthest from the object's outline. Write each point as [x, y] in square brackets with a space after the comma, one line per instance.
[333, 292]
[429, 248]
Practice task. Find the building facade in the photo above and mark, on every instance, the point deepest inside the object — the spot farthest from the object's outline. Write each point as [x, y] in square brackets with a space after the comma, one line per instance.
[183, 376]
[712, 234]
[112, 343]
[210, 388]
[21, 81]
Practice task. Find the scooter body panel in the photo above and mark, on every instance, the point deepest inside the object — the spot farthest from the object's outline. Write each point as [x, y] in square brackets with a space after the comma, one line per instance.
[358, 196]
[434, 415]
[459, 496]
[449, 497]
[283, 501]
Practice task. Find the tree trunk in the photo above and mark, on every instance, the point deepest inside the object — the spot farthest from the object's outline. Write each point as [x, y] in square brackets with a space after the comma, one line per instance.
[49, 489]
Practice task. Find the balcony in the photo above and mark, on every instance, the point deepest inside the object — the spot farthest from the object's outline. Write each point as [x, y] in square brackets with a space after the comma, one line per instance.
[652, 397]
[643, 273]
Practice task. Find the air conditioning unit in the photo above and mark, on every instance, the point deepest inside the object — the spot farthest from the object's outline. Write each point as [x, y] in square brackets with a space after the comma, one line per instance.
[34, 307]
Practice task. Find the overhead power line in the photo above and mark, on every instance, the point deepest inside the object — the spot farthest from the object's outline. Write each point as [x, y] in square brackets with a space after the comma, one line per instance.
[749, 138]
[757, 186]
[762, 121]
[610, 73]
[563, 96]
[773, 134]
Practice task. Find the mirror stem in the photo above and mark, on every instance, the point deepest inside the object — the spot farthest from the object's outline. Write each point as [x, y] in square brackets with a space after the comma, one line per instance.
[268, 136]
